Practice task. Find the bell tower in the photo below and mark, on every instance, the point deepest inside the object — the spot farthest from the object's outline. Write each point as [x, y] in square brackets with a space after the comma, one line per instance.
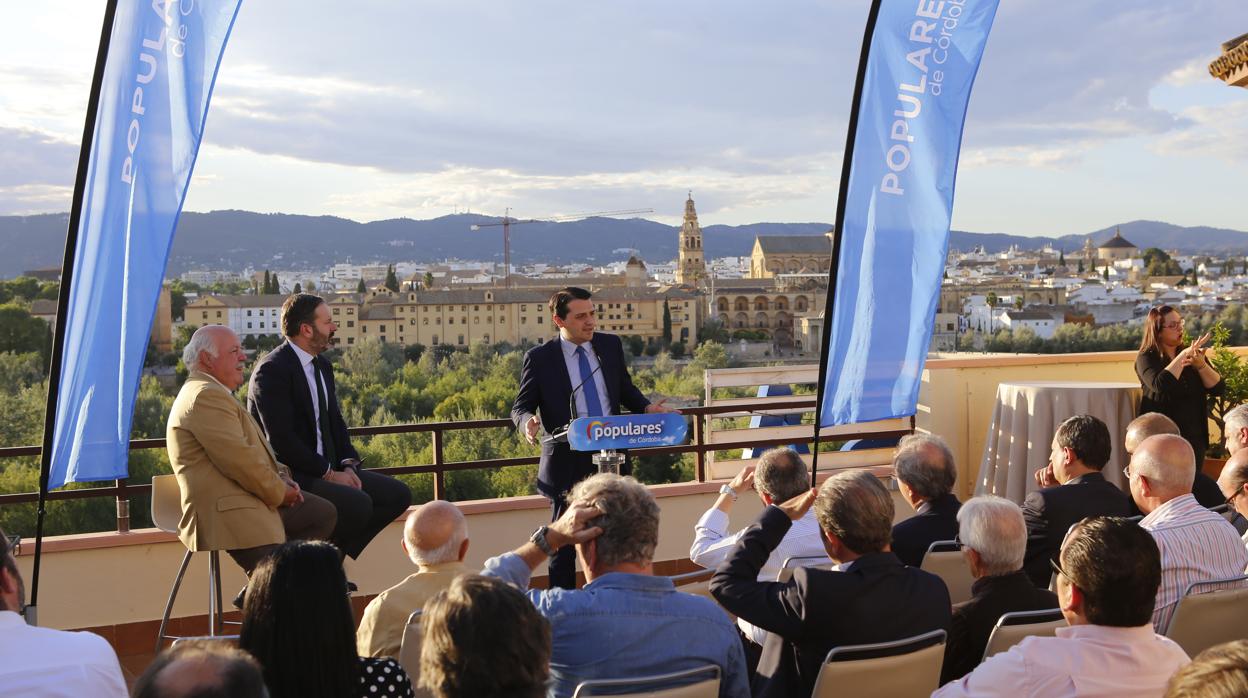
[691, 267]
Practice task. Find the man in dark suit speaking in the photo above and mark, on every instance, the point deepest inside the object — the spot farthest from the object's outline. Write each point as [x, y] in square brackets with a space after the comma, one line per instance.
[292, 396]
[579, 370]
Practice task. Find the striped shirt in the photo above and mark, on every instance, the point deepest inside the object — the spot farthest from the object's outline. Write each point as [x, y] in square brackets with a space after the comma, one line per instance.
[1196, 545]
[711, 545]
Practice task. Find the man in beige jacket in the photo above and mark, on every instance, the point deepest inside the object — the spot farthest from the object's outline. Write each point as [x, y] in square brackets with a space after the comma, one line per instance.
[235, 495]
[435, 537]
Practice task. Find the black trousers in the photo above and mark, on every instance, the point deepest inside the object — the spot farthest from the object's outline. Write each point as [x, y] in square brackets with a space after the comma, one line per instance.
[364, 512]
[562, 567]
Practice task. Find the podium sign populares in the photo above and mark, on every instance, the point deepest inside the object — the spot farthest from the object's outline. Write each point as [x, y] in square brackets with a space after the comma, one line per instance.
[627, 431]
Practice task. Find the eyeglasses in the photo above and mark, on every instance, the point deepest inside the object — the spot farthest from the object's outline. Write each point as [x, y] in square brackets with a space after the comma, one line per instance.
[1126, 471]
[1061, 572]
[1173, 325]
[1230, 501]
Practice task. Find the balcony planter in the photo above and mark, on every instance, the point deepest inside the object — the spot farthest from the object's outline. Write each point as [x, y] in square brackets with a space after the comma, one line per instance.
[1213, 467]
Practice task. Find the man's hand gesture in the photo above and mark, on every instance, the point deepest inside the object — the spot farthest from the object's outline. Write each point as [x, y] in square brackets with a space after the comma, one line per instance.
[530, 429]
[573, 527]
[797, 507]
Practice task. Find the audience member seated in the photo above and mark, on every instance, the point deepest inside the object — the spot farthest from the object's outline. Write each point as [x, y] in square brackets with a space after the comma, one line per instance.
[872, 598]
[1219, 672]
[45, 662]
[481, 638]
[625, 622]
[925, 475]
[1204, 489]
[435, 537]
[297, 622]
[1233, 484]
[780, 476]
[202, 669]
[994, 538]
[1235, 429]
[1108, 573]
[1196, 544]
[1074, 488]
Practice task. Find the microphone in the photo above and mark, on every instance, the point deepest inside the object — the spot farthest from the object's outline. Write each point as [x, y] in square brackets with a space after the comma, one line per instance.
[584, 380]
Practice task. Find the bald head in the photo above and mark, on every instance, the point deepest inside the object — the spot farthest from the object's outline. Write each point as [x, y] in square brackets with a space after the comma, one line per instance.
[1146, 425]
[1169, 465]
[435, 533]
[202, 669]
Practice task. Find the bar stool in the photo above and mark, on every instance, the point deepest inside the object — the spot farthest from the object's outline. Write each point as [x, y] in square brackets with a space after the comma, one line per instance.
[166, 514]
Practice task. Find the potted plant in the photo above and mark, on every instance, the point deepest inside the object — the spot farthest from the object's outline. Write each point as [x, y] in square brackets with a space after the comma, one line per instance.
[1234, 371]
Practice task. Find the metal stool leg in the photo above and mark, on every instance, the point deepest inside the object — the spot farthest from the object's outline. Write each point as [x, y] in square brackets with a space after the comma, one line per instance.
[173, 595]
[214, 593]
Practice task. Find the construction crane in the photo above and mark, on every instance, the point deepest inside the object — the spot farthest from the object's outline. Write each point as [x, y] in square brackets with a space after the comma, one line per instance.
[508, 221]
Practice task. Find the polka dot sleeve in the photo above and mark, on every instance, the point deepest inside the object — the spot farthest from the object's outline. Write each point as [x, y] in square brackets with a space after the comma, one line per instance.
[383, 678]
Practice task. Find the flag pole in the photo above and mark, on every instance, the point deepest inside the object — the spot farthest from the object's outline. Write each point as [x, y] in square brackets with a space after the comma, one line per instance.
[62, 301]
[855, 107]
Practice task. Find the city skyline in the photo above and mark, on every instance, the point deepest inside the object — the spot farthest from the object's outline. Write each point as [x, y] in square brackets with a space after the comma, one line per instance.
[1080, 119]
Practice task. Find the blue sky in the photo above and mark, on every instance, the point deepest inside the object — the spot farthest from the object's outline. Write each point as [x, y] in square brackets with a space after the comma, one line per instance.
[1084, 114]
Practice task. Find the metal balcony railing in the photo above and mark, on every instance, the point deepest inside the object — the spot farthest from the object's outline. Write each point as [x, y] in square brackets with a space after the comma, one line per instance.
[122, 489]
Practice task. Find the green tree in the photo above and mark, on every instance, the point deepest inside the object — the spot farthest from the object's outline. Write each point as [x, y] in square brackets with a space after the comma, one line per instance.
[22, 333]
[667, 324]
[635, 344]
[1061, 258]
[1080, 266]
[708, 355]
[360, 287]
[428, 280]
[392, 280]
[297, 288]
[1105, 272]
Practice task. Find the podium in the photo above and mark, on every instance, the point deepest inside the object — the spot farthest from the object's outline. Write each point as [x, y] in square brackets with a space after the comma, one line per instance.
[609, 435]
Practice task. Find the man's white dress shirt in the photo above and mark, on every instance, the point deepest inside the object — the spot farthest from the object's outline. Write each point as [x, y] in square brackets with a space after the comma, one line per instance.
[1196, 545]
[711, 545]
[45, 662]
[317, 387]
[1087, 661]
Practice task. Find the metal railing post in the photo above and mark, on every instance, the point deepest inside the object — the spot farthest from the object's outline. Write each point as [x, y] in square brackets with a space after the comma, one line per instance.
[439, 475]
[700, 455]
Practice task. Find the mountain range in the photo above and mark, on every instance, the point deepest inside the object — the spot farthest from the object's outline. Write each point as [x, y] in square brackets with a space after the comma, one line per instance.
[233, 240]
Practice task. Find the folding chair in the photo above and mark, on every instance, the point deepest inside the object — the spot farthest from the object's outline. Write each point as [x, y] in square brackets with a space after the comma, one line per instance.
[945, 560]
[1206, 616]
[678, 684]
[898, 669]
[1011, 628]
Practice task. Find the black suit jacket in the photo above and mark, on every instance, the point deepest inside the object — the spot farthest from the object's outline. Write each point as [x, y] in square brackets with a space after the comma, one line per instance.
[939, 521]
[546, 389]
[973, 621]
[1051, 512]
[280, 399]
[875, 599]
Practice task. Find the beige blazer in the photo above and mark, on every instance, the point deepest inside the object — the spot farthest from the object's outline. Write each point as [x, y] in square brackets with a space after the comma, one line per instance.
[231, 483]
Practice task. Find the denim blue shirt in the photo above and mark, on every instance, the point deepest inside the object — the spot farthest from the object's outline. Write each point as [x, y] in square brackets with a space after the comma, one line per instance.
[625, 625]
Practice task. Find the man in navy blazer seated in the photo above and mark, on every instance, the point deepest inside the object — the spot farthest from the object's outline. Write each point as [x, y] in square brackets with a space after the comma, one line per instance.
[872, 597]
[580, 373]
[292, 396]
[925, 475]
[1074, 489]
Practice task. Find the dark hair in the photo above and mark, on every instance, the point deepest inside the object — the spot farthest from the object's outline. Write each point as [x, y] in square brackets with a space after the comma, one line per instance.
[781, 474]
[1088, 437]
[233, 673]
[482, 638]
[299, 310]
[1152, 327]
[1117, 566]
[559, 301]
[1220, 671]
[298, 622]
[856, 508]
[8, 560]
[925, 463]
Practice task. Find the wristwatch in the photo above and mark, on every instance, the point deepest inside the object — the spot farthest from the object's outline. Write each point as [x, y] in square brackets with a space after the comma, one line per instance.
[539, 539]
[725, 489]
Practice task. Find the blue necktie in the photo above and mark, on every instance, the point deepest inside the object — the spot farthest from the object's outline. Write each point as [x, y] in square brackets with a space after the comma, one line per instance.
[593, 404]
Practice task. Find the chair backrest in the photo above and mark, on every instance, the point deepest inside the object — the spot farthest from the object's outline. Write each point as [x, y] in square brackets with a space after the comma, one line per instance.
[785, 573]
[409, 653]
[166, 503]
[1205, 617]
[944, 559]
[1011, 628]
[678, 684]
[907, 667]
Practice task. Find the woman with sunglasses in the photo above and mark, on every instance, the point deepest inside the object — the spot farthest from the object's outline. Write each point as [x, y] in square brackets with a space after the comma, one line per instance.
[1177, 379]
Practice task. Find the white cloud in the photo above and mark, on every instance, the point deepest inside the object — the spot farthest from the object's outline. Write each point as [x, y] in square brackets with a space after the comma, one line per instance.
[1214, 132]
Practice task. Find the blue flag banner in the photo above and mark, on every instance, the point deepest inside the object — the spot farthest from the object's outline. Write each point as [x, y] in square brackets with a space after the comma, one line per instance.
[158, 76]
[920, 65]
[627, 431]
